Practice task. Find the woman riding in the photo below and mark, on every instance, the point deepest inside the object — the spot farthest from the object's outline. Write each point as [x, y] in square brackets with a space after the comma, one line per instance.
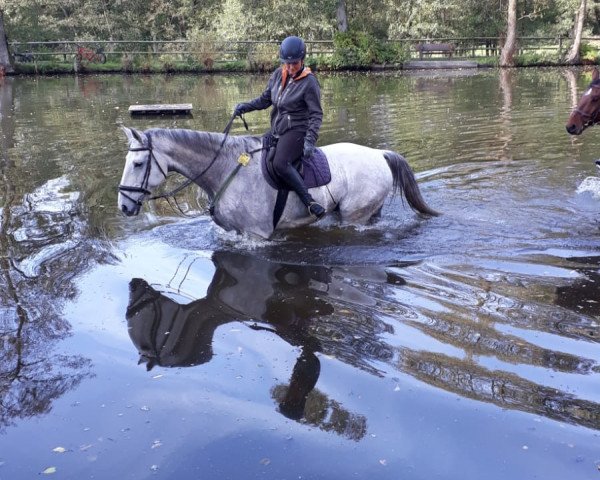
[295, 95]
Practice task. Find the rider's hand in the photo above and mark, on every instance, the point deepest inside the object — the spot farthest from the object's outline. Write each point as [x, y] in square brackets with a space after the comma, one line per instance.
[241, 108]
[309, 149]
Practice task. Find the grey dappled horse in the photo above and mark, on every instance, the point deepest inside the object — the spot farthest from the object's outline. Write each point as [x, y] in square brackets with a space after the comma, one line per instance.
[361, 179]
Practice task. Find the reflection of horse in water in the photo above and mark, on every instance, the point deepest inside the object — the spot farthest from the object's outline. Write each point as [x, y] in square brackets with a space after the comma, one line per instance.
[351, 314]
[279, 298]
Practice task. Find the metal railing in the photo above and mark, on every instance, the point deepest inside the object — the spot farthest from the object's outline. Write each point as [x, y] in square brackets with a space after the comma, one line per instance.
[219, 51]
[230, 51]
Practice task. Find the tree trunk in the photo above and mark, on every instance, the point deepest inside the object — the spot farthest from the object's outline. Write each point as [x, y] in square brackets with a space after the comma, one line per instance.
[5, 65]
[573, 55]
[507, 57]
[342, 17]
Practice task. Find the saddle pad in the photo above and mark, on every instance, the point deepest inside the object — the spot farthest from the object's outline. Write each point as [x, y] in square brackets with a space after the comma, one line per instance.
[315, 171]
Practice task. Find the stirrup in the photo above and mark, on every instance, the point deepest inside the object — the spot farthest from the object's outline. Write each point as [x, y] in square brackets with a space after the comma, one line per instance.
[319, 210]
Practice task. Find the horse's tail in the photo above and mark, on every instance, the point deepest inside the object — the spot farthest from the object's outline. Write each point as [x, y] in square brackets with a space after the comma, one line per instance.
[405, 181]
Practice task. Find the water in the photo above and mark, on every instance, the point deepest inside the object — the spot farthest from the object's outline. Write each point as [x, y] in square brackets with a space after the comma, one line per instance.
[163, 347]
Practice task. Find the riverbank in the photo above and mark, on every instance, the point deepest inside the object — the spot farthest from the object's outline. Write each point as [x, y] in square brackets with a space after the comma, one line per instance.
[147, 67]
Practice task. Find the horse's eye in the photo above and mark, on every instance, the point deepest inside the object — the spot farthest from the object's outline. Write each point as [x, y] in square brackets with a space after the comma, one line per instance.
[137, 164]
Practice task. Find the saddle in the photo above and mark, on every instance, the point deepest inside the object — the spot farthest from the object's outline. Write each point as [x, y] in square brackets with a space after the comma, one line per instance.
[314, 170]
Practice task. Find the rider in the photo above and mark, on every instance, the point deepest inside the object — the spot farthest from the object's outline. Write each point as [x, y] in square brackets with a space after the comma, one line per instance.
[295, 95]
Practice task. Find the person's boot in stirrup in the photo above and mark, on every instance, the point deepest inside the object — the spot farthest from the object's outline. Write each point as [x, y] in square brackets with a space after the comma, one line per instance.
[316, 210]
[295, 181]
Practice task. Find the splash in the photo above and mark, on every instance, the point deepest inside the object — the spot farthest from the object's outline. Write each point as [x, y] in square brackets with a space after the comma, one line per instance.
[591, 185]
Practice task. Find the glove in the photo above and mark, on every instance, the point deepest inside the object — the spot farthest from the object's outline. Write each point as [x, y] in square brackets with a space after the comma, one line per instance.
[241, 108]
[309, 149]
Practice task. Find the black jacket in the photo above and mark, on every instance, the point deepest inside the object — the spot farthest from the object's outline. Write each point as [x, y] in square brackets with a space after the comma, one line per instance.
[296, 103]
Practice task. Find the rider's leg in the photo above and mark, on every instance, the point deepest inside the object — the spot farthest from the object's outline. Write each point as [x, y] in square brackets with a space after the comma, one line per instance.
[289, 150]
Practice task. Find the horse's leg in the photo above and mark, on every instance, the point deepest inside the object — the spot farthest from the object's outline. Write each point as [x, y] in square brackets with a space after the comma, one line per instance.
[376, 216]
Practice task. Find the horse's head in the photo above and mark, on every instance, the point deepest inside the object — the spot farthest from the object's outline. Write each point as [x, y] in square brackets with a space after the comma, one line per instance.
[587, 112]
[142, 173]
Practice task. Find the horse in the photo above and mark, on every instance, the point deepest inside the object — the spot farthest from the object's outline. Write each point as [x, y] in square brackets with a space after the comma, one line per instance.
[587, 112]
[241, 198]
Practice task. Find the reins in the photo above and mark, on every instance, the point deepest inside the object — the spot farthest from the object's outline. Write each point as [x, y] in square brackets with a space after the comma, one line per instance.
[189, 181]
[123, 189]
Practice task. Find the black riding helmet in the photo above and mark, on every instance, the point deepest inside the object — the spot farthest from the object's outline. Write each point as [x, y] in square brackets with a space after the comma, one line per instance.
[292, 49]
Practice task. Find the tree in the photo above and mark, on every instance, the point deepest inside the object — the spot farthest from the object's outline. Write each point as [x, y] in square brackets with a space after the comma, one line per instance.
[507, 57]
[5, 64]
[342, 17]
[573, 55]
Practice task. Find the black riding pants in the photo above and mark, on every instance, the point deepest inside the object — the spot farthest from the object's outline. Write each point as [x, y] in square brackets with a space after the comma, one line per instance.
[289, 151]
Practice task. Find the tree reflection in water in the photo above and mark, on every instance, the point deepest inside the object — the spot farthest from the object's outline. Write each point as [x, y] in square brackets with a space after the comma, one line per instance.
[38, 261]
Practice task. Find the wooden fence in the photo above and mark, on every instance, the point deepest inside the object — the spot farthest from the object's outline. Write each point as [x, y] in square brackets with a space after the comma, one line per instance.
[231, 51]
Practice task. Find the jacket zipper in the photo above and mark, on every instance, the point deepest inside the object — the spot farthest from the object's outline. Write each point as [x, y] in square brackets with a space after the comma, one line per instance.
[281, 95]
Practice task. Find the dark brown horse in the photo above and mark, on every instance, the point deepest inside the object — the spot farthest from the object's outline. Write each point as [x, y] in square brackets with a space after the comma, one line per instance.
[587, 112]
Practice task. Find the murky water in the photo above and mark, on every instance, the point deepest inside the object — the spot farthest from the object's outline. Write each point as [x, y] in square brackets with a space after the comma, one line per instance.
[465, 346]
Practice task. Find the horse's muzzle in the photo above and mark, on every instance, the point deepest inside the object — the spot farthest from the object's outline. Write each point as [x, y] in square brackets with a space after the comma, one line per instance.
[130, 212]
[574, 129]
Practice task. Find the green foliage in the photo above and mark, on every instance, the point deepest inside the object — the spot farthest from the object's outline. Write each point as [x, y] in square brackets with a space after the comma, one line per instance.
[213, 26]
[127, 63]
[537, 59]
[263, 57]
[359, 49]
[589, 52]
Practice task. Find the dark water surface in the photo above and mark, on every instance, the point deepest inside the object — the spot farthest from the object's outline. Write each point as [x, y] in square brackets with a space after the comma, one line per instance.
[465, 346]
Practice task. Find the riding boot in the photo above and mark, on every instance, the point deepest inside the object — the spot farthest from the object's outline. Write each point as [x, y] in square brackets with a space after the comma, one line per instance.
[296, 183]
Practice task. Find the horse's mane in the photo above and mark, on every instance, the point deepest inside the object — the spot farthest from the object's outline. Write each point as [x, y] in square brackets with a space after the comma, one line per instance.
[196, 140]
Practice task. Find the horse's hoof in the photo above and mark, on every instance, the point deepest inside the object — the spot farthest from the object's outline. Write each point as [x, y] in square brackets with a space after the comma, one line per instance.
[316, 210]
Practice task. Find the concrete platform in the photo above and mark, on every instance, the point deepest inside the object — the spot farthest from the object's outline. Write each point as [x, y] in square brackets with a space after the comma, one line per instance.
[173, 109]
[436, 64]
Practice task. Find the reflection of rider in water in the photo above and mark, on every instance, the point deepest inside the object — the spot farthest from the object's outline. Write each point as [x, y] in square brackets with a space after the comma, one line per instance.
[282, 297]
[295, 95]
[170, 334]
[303, 380]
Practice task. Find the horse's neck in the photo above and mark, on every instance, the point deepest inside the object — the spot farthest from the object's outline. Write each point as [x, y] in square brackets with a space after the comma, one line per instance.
[199, 155]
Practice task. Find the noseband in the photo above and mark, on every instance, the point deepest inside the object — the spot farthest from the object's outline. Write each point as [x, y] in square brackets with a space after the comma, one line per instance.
[143, 188]
[592, 118]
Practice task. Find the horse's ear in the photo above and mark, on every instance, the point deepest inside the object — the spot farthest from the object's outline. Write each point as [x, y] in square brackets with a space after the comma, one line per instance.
[129, 133]
[595, 74]
[133, 134]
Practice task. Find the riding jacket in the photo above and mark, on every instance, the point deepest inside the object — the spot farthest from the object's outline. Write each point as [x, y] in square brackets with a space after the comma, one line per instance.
[296, 103]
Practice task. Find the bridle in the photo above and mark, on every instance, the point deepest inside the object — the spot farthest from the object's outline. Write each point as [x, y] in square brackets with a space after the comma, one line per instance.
[592, 118]
[143, 188]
